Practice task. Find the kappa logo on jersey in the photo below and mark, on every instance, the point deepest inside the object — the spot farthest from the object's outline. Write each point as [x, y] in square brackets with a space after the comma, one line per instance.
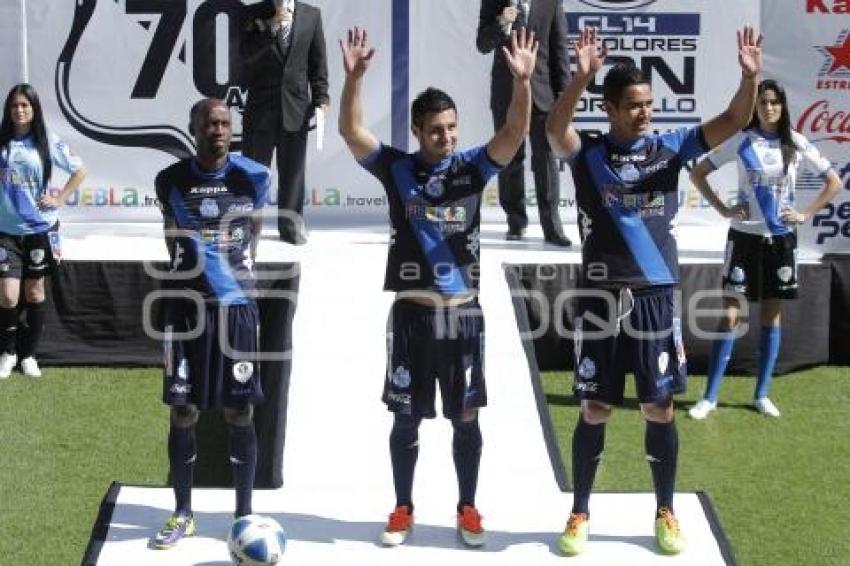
[165, 47]
[242, 371]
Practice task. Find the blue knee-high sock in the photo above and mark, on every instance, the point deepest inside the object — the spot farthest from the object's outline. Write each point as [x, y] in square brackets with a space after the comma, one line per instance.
[466, 450]
[588, 443]
[662, 453]
[181, 456]
[771, 337]
[721, 352]
[243, 457]
[404, 451]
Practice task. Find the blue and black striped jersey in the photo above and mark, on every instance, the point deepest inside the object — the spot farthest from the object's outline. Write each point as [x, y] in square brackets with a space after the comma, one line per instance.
[435, 215]
[628, 200]
[213, 212]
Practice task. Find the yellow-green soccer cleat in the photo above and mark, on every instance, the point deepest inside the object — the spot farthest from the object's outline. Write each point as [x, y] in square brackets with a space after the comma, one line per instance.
[175, 528]
[574, 539]
[667, 532]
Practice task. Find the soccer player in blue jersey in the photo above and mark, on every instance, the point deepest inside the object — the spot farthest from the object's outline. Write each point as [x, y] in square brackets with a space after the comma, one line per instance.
[436, 330]
[211, 205]
[29, 222]
[626, 191]
[762, 243]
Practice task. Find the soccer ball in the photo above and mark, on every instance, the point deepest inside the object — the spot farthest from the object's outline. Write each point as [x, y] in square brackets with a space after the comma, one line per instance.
[255, 540]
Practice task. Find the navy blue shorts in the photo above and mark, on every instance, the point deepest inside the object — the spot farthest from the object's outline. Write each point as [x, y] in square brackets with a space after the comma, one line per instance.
[30, 256]
[426, 345]
[761, 267]
[647, 341]
[201, 371]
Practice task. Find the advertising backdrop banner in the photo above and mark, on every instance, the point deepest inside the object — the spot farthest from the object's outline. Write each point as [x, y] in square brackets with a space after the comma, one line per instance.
[117, 79]
[808, 51]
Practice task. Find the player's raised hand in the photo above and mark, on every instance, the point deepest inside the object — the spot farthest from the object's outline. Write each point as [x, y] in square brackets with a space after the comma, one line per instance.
[749, 50]
[589, 56]
[355, 54]
[522, 55]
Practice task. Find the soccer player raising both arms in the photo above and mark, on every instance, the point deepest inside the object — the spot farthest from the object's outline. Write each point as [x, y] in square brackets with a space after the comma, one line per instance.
[211, 206]
[626, 191]
[437, 330]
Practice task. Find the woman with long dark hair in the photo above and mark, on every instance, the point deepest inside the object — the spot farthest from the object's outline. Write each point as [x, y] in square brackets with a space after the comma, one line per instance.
[29, 222]
[762, 243]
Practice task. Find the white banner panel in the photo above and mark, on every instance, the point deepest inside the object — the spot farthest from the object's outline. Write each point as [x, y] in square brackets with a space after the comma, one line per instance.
[808, 51]
[117, 78]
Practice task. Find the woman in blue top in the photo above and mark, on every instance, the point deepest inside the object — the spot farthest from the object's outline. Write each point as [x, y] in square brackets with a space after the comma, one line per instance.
[762, 243]
[29, 222]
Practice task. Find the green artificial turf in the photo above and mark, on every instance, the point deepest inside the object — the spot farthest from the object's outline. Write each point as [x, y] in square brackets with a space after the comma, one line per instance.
[65, 437]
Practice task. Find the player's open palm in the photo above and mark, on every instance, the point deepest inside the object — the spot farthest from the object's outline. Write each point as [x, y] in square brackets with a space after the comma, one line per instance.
[356, 55]
[589, 56]
[522, 55]
[749, 50]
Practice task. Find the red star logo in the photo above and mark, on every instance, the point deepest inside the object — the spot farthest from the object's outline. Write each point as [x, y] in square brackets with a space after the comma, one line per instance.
[840, 54]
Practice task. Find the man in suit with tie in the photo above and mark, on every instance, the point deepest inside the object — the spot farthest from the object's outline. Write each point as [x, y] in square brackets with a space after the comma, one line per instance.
[285, 72]
[551, 74]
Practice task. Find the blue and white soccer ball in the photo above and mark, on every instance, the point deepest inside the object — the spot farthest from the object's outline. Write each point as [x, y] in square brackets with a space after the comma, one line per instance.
[255, 540]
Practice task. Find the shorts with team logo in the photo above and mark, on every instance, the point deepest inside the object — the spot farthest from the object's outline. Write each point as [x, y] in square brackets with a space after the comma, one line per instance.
[426, 345]
[761, 267]
[218, 368]
[625, 330]
[30, 256]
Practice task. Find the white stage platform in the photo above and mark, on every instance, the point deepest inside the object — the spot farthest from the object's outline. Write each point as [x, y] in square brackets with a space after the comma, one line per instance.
[337, 478]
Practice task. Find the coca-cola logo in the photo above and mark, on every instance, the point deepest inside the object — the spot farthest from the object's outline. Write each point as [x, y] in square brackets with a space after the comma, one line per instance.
[819, 122]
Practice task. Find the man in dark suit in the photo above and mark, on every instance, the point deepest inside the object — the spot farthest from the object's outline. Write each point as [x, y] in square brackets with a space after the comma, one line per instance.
[285, 72]
[551, 74]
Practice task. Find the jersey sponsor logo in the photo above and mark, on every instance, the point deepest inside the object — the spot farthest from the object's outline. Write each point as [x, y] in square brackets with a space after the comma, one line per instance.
[586, 387]
[462, 180]
[400, 398]
[242, 371]
[209, 208]
[168, 45]
[401, 377]
[180, 389]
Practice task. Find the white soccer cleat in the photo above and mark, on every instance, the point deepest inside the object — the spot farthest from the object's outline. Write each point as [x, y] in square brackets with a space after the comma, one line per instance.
[7, 364]
[30, 367]
[766, 407]
[701, 409]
